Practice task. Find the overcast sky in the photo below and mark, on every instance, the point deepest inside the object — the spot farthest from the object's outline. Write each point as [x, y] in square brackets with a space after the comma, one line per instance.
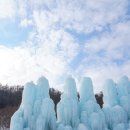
[56, 38]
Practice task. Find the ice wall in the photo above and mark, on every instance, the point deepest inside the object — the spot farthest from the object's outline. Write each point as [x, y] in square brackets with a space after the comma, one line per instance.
[36, 111]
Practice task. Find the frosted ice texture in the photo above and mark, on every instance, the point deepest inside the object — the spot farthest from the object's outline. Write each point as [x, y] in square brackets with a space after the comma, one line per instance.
[67, 109]
[123, 89]
[117, 103]
[86, 90]
[36, 111]
[90, 112]
[110, 93]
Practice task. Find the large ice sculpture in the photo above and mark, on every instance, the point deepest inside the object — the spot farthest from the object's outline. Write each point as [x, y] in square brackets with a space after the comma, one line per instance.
[67, 109]
[114, 113]
[90, 112]
[37, 109]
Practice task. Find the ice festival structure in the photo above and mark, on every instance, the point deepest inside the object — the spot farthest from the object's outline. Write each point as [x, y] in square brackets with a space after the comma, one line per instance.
[36, 111]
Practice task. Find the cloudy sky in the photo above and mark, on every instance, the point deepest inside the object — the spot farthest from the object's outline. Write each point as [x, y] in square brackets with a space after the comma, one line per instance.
[56, 38]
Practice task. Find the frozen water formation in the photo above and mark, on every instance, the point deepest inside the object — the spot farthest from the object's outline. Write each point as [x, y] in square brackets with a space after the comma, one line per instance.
[117, 104]
[90, 113]
[36, 111]
[67, 109]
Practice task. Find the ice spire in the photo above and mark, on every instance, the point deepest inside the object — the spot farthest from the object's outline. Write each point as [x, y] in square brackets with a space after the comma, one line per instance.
[123, 89]
[110, 93]
[86, 90]
[114, 113]
[123, 86]
[67, 110]
[90, 112]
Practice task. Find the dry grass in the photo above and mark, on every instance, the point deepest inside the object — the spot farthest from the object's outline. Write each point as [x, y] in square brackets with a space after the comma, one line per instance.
[5, 116]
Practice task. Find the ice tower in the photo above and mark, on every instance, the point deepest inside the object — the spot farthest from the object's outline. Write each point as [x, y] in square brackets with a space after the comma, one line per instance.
[116, 117]
[110, 93]
[90, 112]
[37, 109]
[67, 109]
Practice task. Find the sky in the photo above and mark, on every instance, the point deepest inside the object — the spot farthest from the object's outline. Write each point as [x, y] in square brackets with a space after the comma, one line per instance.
[56, 38]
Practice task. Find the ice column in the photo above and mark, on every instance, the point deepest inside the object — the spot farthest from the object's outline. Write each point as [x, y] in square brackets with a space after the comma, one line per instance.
[114, 113]
[67, 109]
[90, 112]
[110, 94]
[123, 89]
